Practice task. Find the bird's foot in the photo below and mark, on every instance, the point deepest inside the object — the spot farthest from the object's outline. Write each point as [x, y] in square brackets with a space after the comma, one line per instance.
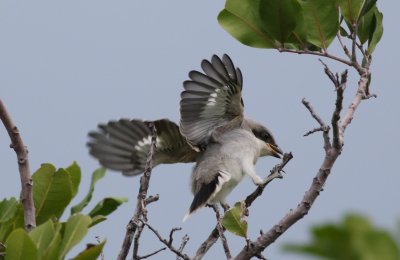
[272, 176]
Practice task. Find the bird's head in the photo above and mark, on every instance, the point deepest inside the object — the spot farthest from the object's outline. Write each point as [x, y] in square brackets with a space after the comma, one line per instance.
[269, 147]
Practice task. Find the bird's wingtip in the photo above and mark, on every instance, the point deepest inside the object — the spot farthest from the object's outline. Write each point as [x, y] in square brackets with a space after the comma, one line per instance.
[187, 215]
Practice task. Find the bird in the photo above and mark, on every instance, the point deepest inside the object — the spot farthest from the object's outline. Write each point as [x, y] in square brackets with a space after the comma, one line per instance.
[213, 133]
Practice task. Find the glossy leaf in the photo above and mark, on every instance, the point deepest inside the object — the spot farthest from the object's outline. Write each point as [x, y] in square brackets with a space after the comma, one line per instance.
[75, 176]
[19, 246]
[321, 19]
[366, 26]
[241, 19]
[8, 209]
[368, 5]
[351, 10]
[107, 206]
[52, 192]
[96, 176]
[92, 252]
[233, 220]
[280, 17]
[377, 33]
[75, 229]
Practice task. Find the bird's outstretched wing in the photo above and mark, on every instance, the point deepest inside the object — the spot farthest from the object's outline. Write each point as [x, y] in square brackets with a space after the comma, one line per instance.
[124, 145]
[212, 101]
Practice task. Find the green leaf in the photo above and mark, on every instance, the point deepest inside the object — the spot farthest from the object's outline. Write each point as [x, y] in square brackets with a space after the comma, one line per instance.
[241, 19]
[366, 26]
[377, 33]
[280, 17]
[92, 252]
[368, 4]
[351, 10]
[8, 209]
[75, 230]
[17, 221]
[43, 235]
[321, 19]
[96, 176]
[52, 192]
[355, 238]
[97, 219]
[106, 206]
[53, 248]
[233, 220]
[20, 246]
[75, 175]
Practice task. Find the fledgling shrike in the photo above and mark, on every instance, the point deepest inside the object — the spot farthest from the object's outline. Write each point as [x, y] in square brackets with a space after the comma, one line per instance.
[213, 133]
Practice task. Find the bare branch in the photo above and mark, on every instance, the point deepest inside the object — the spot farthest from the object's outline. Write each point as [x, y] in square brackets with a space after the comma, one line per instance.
[136, 239]
[337, 140]
[171, 234]
[312, 131]
[23, 166]
[360, 95]
[166, 242]
[344, 47]
[140, 211]
[185, 239]
[325, 128]
[322, 54]
[221, 231]
[207, 244]
[151, 199]
[154, 253]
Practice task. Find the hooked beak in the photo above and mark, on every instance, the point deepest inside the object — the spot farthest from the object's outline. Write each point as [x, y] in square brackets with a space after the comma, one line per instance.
[274, 150]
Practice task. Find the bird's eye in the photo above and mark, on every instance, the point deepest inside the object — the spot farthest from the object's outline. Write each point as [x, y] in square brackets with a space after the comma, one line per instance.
[266, 136]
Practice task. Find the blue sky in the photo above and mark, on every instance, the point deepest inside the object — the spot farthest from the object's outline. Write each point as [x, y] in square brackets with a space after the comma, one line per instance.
[68, 65]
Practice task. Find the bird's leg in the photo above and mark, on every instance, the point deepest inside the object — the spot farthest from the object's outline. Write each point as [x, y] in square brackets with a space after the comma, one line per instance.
[249, 169]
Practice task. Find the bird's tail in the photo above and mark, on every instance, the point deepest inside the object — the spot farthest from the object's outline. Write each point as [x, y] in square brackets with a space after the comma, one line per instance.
[121, 145]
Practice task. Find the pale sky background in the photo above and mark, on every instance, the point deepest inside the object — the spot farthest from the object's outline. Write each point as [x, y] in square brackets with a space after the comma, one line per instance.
[65, 66]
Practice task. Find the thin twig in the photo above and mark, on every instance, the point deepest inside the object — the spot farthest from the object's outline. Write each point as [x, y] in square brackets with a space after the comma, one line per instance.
[344, 47]
[166, 242]
[151, 254]
[322, 54]
[325, 128]
[136, 239]
[185, 239]
[312, 131]
[171, 234]
[23, 166]
[140, 211]
[221, 231]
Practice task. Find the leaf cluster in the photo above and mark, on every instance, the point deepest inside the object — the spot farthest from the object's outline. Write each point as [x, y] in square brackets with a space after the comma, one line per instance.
[53, 191]
[308, 25]
[354, 238]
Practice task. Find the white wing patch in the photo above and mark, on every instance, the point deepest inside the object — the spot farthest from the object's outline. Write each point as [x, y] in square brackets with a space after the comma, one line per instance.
[146, 141]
